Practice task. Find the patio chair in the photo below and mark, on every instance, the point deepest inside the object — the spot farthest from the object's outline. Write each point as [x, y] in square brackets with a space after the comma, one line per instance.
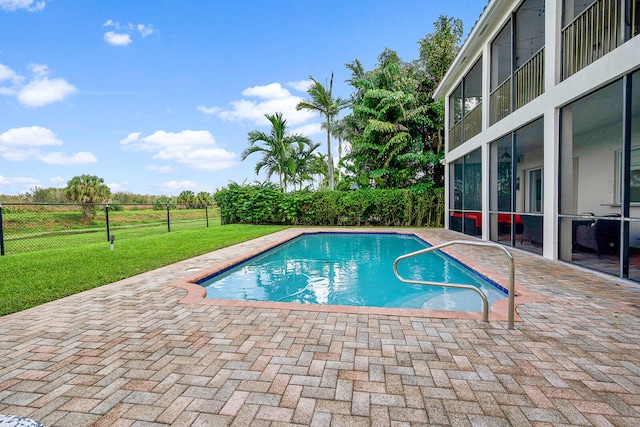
[602, 236]
[532, 229]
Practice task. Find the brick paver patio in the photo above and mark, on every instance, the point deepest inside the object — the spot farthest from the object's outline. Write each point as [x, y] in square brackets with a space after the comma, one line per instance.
[132, 354]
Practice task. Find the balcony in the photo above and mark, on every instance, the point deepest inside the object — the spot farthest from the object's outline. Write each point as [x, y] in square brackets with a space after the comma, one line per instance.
[529, 84]
[595, 32]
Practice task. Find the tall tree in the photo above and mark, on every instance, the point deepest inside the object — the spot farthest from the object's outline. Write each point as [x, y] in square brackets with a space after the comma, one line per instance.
[439, 49]
[322, 101]
[395, 125]
[278, 148]
[87, 190]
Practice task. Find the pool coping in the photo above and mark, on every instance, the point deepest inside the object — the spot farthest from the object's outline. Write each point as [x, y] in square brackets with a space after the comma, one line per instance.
[196, 294]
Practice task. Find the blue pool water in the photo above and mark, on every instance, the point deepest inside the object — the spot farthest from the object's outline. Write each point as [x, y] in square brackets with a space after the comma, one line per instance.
[351, 269]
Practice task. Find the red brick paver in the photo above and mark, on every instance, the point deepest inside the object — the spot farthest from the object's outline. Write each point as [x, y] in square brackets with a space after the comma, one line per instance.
[140, 352]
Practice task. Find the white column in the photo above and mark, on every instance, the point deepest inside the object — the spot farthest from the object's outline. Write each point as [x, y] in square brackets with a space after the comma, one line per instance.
[486, 90]
[552, 69]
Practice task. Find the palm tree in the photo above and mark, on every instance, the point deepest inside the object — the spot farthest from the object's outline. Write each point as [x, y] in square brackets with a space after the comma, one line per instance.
[301, 165]
[339, 130]
[87, 190]
[318, 169]
[323, 102]
[277, 150]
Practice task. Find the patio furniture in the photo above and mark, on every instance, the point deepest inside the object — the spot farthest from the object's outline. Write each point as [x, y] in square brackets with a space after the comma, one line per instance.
[602, 236]
[532, 230]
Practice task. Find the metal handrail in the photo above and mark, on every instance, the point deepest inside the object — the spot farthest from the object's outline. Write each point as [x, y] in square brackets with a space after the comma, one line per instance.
[485, 302]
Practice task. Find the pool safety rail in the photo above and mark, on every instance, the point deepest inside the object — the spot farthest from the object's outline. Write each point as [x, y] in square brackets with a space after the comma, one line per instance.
[485, 302]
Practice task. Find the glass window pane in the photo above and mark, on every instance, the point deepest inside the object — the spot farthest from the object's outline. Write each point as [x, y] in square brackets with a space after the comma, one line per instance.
[455, 106]
[501, 57]
[473, 181]
[529, 30]
[473, 87]
[590, 179]
[456, 183]
[501, 171]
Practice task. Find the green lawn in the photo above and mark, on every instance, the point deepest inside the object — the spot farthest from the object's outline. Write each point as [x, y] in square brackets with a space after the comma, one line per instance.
[30, 279]
[42, 227]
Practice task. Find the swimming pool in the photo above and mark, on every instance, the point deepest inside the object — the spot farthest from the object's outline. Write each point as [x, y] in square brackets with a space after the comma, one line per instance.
[354, 269]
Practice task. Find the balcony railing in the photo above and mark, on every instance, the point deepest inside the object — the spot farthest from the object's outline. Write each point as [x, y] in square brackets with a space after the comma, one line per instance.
[591, 35]
[473, 122]
[455, 135]
[529, 84]
[500, 102]
[529, 79]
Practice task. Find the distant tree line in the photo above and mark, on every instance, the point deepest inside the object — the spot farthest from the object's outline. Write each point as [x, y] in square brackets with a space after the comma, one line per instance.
[90, 190]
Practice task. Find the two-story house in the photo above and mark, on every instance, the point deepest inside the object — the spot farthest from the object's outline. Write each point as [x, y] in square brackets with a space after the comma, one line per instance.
[543, 131]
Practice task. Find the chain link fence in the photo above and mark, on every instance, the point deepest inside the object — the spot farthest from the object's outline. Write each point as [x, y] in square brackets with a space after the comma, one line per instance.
[26, 227]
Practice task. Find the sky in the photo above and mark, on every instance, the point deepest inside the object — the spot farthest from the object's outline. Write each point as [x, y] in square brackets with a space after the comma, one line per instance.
[158, 96]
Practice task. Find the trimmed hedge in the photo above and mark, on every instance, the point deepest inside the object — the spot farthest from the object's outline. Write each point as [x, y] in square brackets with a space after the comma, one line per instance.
[268, 204]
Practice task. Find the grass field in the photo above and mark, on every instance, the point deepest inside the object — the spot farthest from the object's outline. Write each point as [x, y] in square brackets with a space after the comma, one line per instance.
[31, 279]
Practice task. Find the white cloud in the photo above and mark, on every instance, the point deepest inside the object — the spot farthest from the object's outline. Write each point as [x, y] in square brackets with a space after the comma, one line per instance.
[40, 91]
[160, 169]
[7, 74]
[301, 85]
[175, 187]
[196, 149]
[114, 187]
[122, 35]
[30, 5]
[57, 158]
[34, 136]
[39, 70]
[56, 180]
[132, 137]
[44, 91]
[21, 144]
[308, 130]
[270, 91]
[268, 99]
[22, 181]
[117, 39]
[208, 110]
[145, 30]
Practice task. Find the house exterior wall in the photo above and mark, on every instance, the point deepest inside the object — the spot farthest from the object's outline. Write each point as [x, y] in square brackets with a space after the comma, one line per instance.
[619, 62]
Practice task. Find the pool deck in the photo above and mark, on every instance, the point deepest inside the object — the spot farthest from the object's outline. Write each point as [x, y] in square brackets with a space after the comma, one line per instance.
[145, 351]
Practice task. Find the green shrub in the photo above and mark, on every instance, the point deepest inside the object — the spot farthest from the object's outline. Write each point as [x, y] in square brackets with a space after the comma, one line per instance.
[268, 204]
[115, 206]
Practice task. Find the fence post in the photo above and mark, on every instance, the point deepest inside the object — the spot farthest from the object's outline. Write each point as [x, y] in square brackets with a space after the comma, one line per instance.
[106, 217]
[206, 214]
[168, 220]
[1, 233]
